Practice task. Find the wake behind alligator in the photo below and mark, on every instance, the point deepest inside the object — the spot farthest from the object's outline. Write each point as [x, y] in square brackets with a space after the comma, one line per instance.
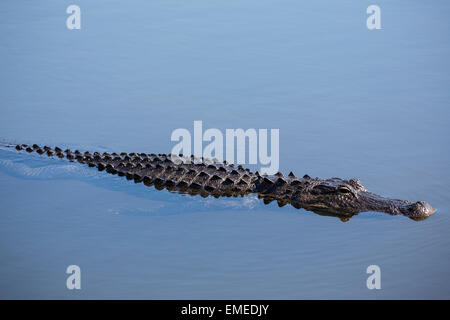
[209, 177]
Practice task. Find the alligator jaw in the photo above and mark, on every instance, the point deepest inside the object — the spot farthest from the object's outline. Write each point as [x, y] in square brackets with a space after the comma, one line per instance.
[419, 210]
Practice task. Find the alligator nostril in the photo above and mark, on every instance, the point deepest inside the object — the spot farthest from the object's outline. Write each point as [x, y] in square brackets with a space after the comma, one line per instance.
[421, 209]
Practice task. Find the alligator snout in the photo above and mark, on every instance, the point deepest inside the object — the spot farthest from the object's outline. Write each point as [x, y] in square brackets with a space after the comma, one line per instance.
[420, 210]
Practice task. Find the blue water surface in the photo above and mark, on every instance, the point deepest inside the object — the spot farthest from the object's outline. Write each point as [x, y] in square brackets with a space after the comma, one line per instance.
[348, 101]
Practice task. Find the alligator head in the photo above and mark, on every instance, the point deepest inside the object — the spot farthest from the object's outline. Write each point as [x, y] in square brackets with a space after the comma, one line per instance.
[345, 198]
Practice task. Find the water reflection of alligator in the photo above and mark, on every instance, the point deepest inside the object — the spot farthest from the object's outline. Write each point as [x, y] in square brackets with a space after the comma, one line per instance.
[191, 175]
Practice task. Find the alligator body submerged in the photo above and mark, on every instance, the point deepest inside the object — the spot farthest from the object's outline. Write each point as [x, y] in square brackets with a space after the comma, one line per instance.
[205, 177]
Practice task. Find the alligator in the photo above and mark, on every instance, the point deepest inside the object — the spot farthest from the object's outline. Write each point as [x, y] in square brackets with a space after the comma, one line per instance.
[209, 177]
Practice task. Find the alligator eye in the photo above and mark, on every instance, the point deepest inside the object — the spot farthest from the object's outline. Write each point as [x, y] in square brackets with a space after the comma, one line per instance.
[344, 190]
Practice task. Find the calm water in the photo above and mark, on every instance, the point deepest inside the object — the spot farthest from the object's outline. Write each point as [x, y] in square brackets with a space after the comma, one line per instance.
[349, 102]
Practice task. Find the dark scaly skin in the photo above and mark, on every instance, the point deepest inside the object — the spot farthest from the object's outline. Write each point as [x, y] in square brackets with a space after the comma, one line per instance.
[191, 175]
